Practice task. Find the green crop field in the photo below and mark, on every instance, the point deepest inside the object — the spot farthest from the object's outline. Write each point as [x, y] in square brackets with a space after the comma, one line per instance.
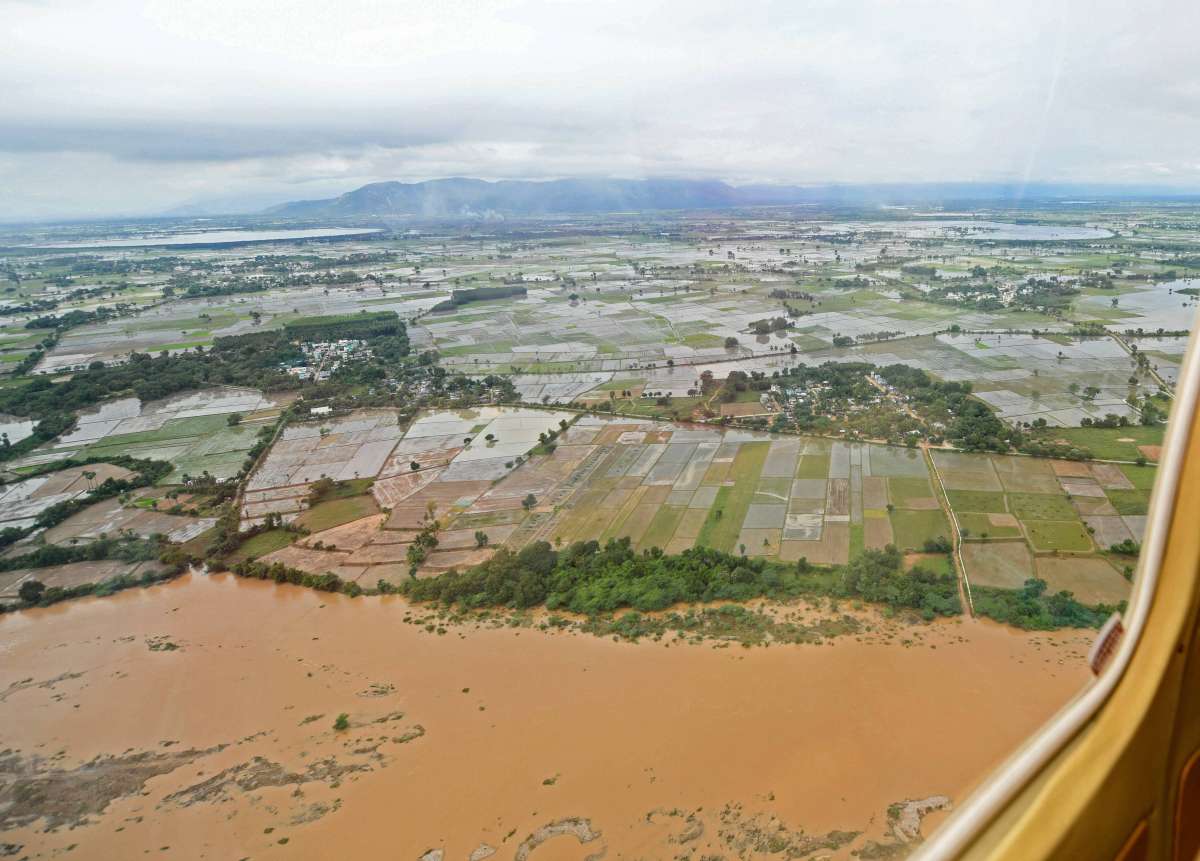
[1141, 476]
[976, 525]
[1109, 443]
[1041, 506]
[262, 544]
[912, 528]
[721, 532]
[903, 490]
[813, 466]
[172, 429]
[938, 563]
[985, 501]
[1129, 501]
[857, 542]
[662, 527]
[1067, 535]
[335, 512]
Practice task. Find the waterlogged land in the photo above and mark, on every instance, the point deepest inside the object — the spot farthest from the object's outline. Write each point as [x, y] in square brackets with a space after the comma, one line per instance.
[725, 384]
[196, 720]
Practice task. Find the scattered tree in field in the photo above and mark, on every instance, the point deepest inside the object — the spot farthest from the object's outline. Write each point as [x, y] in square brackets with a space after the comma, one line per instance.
[529, 502]
[342, 723]
[31, 591]
[481, 538]
[320, 488]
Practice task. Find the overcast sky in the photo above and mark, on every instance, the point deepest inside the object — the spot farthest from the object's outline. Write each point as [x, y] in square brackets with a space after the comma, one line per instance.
[114, 107]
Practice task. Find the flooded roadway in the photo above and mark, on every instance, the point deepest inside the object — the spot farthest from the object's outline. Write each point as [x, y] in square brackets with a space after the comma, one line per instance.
[196, 720]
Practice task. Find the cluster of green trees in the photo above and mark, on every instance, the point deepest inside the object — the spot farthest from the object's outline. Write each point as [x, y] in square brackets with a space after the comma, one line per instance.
[361, 326]
[280, 573]
[76, 317]
[232, 287]
[589, 579]
[423, 542]
[1046, 294]
[1128, 547]
[1032, 609]
[766, 327]
[969, 423]
[35, 305]
[478, 294]
[36, 593]
[127, 548]
[735, 383]
[35, 355]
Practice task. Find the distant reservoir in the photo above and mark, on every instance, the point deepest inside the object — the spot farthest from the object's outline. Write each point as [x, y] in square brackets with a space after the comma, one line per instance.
[214, 238]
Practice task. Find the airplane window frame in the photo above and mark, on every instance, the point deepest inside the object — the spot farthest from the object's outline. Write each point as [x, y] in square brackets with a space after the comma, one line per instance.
[1008, 779]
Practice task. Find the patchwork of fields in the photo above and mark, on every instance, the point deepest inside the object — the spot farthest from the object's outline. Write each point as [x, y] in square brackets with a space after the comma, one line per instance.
[191, 431]
[1022, 517]
[1084, 326]
[674, 486]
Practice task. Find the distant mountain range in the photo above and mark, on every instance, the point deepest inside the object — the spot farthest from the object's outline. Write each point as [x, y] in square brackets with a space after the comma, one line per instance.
[473, 198]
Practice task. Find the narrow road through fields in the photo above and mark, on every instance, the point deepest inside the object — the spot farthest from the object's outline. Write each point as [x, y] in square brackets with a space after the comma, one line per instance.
[964, 585]
[1153, 373]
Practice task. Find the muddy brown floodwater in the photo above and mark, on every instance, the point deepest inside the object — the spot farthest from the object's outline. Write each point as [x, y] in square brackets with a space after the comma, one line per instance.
[196, 720]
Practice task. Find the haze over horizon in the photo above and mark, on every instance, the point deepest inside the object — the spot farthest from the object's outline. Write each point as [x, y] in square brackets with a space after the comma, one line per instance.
[141, 107]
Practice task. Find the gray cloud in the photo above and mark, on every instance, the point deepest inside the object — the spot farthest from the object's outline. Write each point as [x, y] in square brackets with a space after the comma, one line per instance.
[129, 106]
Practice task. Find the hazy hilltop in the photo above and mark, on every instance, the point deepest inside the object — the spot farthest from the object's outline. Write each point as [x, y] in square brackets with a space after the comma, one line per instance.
[458, 197]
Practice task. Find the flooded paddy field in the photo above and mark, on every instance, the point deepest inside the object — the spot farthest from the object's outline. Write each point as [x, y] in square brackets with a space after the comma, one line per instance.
[212, 238]
[948, 295]
[190, 323]
[22, 501]
[196, 720]
[446, 463]
[191, 431]
[222, 718]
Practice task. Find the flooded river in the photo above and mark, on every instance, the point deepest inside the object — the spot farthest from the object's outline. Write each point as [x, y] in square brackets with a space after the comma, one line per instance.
[196, 720]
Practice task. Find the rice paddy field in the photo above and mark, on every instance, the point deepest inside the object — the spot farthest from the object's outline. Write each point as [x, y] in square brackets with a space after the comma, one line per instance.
[641, 348]
[653, 310]
[608, 310]
[191, 431]
[674, 486]
[1021, 517]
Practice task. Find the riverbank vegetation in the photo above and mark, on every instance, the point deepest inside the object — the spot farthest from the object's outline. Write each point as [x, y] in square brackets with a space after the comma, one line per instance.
[1031, 609]
[588, 579]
